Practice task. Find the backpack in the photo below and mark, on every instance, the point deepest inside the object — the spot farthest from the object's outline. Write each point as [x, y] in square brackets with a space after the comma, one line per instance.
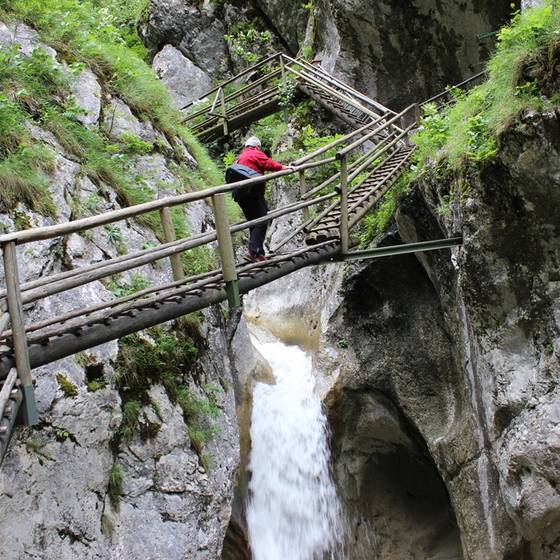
[238, 172]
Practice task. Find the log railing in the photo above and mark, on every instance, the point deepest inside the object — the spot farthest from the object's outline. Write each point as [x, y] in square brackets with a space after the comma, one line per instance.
[355, 153]
[220, 110]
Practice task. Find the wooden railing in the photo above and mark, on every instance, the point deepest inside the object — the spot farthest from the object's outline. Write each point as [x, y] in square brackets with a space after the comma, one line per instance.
[355, 153]
[221, 111]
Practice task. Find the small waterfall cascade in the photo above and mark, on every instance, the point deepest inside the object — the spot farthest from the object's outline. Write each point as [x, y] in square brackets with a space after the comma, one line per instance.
[293, 511]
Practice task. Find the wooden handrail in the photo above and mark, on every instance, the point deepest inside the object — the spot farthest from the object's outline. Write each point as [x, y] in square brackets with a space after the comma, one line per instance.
[456, 86]
[333, 80]
[235, 94]
[255, 66]
[49, 232]
[357, 143]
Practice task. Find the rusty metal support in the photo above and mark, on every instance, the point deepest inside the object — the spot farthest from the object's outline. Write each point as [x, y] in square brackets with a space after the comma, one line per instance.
[394, 250]
[225, 247]
[15, 309]
[169, 237]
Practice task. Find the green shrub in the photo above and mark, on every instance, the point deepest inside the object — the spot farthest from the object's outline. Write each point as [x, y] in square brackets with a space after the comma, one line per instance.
[123, 289]
[469, 130]
[167, 358]
[378, 220]
[131, 414]
[132, 144]
[248, 42]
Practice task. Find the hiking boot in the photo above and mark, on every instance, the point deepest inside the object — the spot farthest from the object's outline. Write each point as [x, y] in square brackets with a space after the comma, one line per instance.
[252, 257]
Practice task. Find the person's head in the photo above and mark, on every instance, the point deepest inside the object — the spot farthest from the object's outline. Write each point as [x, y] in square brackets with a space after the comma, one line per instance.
[252, 142]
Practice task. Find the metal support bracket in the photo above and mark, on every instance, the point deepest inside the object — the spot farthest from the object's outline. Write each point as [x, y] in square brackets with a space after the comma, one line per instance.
[394, 250]
[233, 296]
[28, 411]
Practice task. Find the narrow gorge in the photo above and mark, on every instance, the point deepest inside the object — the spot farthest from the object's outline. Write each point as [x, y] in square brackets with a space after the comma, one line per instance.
[351, 408]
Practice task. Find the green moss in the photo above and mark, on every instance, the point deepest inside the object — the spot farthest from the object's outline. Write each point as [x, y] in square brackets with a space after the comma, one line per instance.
[61, 434]
[167, 358]
[96, 385]
[377, 221]
[67, 387]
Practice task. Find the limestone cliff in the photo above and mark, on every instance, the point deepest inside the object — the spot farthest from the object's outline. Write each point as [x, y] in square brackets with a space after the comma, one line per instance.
[108, 473]
[453, 364]
[396, 52]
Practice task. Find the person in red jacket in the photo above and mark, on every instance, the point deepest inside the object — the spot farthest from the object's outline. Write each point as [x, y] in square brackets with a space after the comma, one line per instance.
[252, 199]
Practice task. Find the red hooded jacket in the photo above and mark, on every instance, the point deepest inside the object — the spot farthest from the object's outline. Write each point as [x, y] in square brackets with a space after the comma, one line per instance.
[256, 159]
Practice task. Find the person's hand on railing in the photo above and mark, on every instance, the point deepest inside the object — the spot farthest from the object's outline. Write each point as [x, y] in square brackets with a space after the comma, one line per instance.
[290, 167]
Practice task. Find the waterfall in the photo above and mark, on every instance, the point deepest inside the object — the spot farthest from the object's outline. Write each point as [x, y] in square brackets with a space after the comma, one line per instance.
[293, 511]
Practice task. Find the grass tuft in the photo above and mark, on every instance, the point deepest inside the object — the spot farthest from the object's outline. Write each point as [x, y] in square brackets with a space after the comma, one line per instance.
[519, 79]
[115, 488]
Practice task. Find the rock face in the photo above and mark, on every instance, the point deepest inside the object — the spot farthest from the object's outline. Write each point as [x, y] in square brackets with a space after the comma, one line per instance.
[185, 80]
[73, 487]
[405, 52]
[193, 30]
[397, 53]
[457, 352]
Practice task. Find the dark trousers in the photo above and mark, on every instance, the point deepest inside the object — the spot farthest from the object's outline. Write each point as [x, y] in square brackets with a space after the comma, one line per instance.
[254, 206]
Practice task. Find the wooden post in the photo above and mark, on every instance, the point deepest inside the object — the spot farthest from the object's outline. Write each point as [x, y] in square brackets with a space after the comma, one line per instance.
[416, 112]
[344, 239]
[302, 191]
[284, 83]
[21, 353]
[224, 111]
[169, 236]
[225, 247]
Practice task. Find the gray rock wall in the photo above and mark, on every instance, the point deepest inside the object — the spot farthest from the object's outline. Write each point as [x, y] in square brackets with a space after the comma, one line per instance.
[55, 480]
[405, 52]
[396, 52]
[460, 349]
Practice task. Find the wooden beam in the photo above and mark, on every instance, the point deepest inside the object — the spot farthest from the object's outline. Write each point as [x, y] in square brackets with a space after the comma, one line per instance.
[344, 234]
[15, 310]
[169, 235]
[225, 247]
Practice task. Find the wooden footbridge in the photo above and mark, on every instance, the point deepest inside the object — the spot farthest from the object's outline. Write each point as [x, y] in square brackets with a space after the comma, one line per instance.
[363, 164]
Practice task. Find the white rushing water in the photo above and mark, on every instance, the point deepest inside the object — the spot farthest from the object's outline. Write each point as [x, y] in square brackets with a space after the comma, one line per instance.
[293, 512]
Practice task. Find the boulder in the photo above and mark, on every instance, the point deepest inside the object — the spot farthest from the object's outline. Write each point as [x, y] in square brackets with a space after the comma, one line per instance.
[186, 81]
[87, 93]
